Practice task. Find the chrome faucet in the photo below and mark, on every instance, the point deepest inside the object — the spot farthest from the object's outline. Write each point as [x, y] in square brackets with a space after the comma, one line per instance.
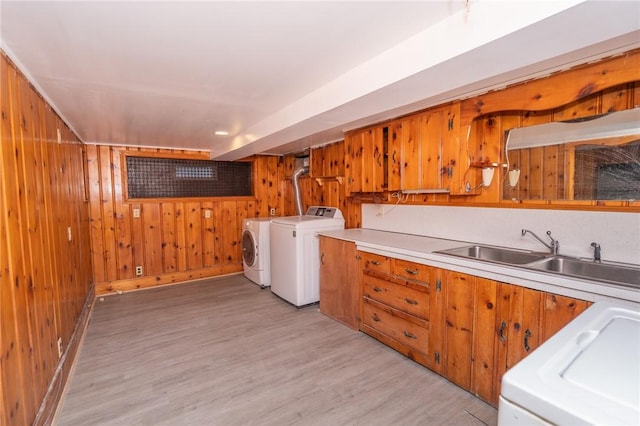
[554, 246]
[596, 252]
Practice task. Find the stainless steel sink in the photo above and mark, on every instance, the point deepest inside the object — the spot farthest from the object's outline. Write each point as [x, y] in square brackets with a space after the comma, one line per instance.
[616, 274]
[495, 254]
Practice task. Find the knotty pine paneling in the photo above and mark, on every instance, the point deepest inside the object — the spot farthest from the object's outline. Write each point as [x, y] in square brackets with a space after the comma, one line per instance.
[45, 278]
[327, 163]
[173, 239]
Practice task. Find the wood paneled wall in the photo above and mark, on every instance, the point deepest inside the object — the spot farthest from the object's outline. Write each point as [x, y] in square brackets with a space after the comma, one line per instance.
[544, 176]
[173, 240]
[45, 287]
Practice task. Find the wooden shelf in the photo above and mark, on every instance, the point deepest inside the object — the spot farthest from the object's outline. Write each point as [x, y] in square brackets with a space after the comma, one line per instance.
[482, 165]
[322, 179]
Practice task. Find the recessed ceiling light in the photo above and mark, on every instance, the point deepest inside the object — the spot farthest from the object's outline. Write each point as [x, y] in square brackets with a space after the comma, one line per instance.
[221, 133]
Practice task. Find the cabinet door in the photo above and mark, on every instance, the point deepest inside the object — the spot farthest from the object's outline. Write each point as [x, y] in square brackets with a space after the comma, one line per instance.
[373, 160]
[421, 149]
[436, 359]
[484, 327]
[518, 327]
[365, 160]
[454, 160]
[430, 147]
[459, 295]
[526, 319]
[339, 286]
[353, 162]
[393, 155]
[317, 162]
[558, 311]
[410, 152]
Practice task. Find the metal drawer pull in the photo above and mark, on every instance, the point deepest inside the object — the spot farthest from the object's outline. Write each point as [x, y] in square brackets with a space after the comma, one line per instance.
[409, 335]
[503, 326]
[377, 289]
[375, 318]
[412, 271]
[410, 301]
[527, 334]
[376, 263]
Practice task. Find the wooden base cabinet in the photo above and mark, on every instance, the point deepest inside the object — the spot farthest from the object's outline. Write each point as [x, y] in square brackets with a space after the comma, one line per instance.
[490, 326]
[396, 305]
[339, 281]
[526, 319]
[469, 329]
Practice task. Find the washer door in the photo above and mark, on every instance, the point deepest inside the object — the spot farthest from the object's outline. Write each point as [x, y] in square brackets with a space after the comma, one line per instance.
[248, 248]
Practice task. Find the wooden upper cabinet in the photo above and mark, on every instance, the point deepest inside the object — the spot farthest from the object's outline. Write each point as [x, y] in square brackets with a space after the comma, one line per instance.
[430, 148]
[365, 160]
[373, 160]
[353, 150]
[419, 151]
[328, 160]
[410, 157]
[455, 160]
[393, 148]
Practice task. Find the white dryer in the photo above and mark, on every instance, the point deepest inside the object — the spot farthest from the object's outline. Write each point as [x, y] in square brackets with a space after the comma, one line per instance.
[256, 261]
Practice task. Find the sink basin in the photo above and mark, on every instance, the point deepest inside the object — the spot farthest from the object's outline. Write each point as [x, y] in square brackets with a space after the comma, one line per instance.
[621, 275]
[495, 254]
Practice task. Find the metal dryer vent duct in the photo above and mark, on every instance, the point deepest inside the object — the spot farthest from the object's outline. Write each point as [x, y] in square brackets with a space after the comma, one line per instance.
[296, 188]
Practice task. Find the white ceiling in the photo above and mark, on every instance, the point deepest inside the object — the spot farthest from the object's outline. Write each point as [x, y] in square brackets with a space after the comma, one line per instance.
[283, 76]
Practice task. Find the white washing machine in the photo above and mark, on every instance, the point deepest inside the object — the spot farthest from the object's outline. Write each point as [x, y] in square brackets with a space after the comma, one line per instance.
[295, 253]
[587, 373]
[255, 250]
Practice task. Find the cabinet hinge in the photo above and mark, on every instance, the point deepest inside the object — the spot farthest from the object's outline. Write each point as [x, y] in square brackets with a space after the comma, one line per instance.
[450, 124]
[438, 285]
[436, 356]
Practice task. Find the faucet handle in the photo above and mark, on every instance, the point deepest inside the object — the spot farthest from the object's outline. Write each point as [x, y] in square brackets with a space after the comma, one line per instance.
[597, 257]
[555, 244]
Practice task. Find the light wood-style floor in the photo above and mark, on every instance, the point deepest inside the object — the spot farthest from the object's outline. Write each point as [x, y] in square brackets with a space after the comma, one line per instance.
[225, 352]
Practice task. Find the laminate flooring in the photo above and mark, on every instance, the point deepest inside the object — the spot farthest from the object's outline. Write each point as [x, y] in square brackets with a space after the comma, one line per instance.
[225, 352]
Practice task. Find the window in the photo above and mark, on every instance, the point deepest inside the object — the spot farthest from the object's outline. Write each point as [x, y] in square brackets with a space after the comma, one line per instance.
[153, 177]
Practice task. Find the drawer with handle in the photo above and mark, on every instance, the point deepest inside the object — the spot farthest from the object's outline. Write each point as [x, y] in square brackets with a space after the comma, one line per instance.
[411, 270]
[412, 299]
[413, 334]
[376, 262]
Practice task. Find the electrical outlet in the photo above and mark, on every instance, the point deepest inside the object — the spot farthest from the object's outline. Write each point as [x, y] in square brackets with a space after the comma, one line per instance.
[69, 233]
[207, 214]
[272, 212]
[136, 213]
[138, 270]
[59, 347]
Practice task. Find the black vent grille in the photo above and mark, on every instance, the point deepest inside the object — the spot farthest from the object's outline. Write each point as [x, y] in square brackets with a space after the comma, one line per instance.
[153, 177]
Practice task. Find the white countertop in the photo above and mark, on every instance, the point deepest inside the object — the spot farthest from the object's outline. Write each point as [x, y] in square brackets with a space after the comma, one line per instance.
[422, 250]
